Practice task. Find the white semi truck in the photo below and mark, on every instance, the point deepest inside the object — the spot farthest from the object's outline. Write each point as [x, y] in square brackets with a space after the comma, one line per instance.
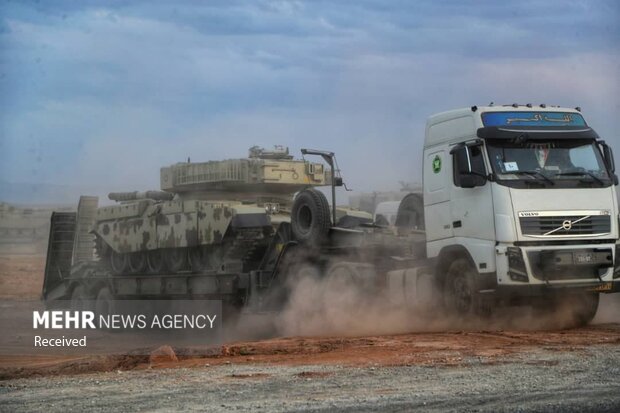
[520, 207]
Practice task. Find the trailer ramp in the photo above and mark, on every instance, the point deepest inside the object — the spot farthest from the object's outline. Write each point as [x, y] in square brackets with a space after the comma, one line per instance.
[59, 253]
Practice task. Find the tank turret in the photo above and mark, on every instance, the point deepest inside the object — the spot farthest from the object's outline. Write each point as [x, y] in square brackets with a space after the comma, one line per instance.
[264, 174]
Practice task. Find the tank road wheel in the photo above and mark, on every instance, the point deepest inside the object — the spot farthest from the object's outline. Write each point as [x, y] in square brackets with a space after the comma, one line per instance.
[200, 259]
[310, 217]
[175, 259]
[119, 263]
[155, 261]
[460, 295]
[137, 262]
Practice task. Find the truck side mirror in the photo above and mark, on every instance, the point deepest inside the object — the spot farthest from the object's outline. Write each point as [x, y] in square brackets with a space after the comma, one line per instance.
[609, 157]
[469, 170]
[462, 160]
[469, 181]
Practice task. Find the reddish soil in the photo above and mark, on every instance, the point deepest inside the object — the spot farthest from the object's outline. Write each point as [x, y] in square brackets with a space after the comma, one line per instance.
[21, 277]
[447, 349]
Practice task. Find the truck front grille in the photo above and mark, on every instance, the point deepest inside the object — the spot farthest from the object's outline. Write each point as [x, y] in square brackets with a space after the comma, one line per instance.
[554, 226]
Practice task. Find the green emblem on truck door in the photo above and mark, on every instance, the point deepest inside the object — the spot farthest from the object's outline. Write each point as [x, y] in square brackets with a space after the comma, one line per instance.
[437, 164]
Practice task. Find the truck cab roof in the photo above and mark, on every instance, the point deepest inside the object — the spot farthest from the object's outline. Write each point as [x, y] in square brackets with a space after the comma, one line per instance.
[456, 125]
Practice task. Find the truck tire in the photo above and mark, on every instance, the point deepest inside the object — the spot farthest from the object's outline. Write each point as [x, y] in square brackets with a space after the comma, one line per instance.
[581, 308]
[460, 297]
[310, 220]
[585, 308]
[410, 215]
[300, 271]
[570, 310]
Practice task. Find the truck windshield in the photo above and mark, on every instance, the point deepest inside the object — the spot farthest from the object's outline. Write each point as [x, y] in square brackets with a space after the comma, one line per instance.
[563, 163]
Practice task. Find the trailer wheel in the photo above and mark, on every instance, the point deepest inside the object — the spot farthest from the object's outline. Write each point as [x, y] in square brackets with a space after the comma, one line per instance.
[310, 220]
[231, 313]
[460, 297]
[301, 271]
[345, 296]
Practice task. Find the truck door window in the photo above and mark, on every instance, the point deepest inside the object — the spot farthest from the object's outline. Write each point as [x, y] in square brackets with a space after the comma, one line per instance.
[477, 164]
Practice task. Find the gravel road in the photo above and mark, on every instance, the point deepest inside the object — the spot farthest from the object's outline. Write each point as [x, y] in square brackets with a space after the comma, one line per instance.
[539, 379]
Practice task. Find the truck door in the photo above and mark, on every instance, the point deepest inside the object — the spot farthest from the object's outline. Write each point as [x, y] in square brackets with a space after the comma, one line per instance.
[437, 172]
[471, 204]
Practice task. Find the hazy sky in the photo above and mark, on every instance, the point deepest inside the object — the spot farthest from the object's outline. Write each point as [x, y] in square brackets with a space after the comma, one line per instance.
[107, 92]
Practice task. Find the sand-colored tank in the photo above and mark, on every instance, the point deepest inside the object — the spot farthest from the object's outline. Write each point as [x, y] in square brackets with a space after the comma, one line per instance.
[208, 216]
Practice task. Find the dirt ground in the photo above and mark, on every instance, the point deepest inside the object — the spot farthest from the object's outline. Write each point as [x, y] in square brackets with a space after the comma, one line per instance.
[21, 276]
[462, 369]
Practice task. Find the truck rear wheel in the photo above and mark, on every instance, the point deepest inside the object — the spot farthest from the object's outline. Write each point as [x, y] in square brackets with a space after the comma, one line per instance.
[310, 220]
[460, 296]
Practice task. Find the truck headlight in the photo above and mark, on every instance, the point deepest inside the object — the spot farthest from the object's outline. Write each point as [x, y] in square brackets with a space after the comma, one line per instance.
[516, 264]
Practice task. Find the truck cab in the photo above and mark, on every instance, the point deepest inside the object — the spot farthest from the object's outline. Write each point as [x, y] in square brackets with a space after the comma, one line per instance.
[520, 204]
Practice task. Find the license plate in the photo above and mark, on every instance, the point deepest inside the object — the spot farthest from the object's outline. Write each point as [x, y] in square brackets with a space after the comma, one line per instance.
[583, 257]
[602, 287]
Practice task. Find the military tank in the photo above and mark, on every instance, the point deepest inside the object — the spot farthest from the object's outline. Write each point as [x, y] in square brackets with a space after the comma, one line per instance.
[214, 216]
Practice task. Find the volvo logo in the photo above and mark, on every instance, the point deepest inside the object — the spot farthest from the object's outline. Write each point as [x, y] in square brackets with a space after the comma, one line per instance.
[566, 225]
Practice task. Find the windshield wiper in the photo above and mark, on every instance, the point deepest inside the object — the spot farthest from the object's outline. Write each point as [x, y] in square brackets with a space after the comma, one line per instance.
[533, 174]
[577, 173]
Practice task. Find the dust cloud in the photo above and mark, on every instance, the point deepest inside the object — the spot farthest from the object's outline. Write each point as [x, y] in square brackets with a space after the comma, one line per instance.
[324, 306]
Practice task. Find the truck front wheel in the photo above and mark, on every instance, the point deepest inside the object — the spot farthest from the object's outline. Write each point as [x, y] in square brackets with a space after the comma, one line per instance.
[580, 307]
[586, 308]
[460, 296]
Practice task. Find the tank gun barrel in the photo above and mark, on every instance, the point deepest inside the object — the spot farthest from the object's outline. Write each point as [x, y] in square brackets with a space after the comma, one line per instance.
[135, 195]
